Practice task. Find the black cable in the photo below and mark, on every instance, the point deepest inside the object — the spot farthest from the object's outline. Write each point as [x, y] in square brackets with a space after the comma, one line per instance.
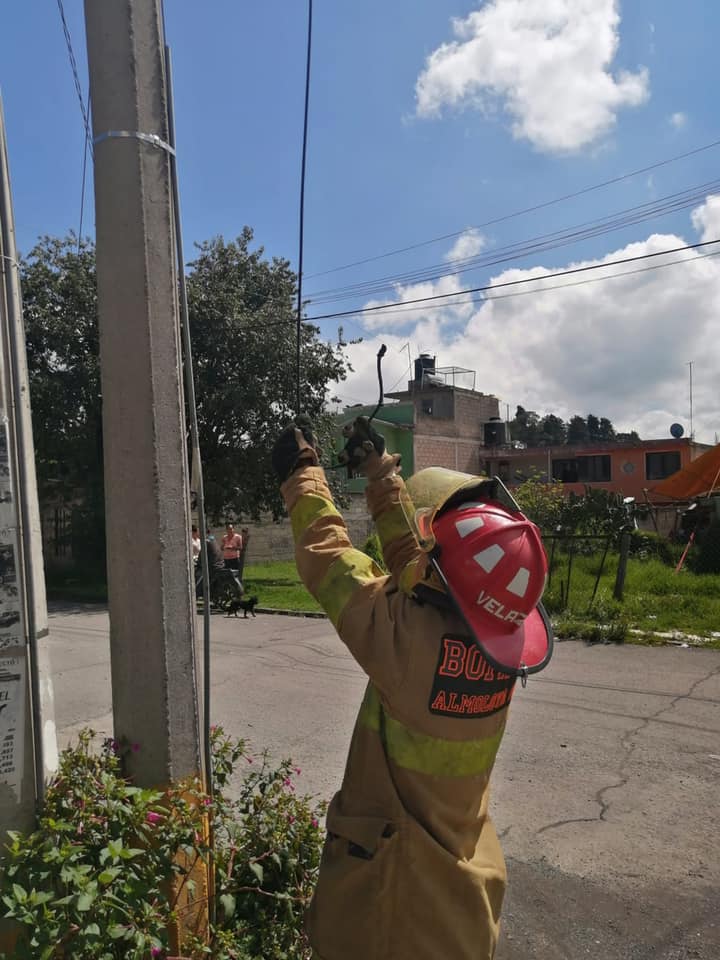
[620, 219]
[302, 202]
[82, 189]
[509, 283]
[394, 308]
[73, 66]
[525, 210]
[558, 286]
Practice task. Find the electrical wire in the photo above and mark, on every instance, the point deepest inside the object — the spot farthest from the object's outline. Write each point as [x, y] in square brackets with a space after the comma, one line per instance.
[73, 66]
[563, 286]
[589, 229]
[391, 308]
[519, 213]
[407, 306]
[82, 190]
[302, 203]
[85, 112]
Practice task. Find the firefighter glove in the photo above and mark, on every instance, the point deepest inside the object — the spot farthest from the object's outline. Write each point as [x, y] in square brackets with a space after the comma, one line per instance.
[362, 439]
[296, 445]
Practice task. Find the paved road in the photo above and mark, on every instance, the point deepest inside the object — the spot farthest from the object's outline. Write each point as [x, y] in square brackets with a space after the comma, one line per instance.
[606, 787]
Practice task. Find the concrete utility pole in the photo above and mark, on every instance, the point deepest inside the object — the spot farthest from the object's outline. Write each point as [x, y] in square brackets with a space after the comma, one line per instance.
[28, 744]
[152, 616]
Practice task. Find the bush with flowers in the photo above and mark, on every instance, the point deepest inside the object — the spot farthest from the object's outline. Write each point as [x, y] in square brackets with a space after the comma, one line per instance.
[94, 879]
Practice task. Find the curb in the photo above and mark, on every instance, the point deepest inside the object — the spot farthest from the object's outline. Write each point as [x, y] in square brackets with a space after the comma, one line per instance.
[312, 614]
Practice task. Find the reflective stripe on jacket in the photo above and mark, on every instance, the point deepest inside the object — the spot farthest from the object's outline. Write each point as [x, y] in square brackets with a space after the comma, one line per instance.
[412, 867]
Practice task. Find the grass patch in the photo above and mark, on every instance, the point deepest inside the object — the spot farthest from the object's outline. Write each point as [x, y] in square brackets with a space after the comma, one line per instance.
[74, 590]
[278, 586]
[656, 599]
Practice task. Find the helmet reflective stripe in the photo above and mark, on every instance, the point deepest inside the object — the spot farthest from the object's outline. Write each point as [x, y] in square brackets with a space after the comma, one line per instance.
[466, 526]
[489, 558]
[519, 583]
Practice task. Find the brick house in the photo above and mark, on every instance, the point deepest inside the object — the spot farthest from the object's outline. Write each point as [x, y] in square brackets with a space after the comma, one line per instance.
[440, 420]
[625, 468]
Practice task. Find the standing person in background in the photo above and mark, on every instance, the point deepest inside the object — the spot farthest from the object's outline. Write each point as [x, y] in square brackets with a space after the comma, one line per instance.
[231, 547]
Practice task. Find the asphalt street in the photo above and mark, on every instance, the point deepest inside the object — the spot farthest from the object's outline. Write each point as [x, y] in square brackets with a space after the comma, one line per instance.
[605, 790]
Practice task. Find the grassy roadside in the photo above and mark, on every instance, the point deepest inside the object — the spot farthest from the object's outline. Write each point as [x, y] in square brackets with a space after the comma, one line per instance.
[657, 600]
[278, 586]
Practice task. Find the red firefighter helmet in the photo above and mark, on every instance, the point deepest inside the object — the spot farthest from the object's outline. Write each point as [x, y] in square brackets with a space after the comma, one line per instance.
[494, 567]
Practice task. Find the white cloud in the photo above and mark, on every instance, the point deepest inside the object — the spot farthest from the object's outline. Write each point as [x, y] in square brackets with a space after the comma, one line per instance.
[545, 63]
[468, 244]
[427, 312]
[706, 219]
[616, 348]
[678, 120]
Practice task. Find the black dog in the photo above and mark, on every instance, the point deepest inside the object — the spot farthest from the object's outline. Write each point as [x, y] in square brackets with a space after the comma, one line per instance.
[247, 606]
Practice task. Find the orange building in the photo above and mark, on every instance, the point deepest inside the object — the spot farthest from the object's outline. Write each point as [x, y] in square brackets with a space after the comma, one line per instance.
[625, 468]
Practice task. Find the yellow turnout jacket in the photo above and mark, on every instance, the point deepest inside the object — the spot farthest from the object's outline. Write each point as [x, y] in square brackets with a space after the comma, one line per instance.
[412, 868]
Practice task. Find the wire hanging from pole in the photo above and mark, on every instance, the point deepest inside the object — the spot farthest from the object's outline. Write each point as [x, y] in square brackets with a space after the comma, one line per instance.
[302, 204]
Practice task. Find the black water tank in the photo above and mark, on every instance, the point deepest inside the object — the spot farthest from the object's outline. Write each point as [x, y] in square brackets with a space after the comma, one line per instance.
[494, 432]
[424, 364]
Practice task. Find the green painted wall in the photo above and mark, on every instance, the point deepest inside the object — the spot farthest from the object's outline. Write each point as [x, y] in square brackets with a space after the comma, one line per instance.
[392, 422]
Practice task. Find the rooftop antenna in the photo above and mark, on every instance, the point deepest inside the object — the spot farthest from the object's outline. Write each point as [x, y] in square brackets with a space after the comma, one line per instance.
[692, 434]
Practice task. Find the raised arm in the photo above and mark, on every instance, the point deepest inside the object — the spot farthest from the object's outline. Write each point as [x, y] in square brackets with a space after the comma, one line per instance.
[346, 582]
[384, 494]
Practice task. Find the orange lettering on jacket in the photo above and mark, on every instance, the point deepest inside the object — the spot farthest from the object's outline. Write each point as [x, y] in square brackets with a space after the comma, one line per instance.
[458, 661]
[465, 684]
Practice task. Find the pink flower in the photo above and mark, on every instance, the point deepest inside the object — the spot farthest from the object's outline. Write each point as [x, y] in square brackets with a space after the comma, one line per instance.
[206, 801]
[156, 952]
[298, 771]
[153, 818]
[291, 818]
[314, 822]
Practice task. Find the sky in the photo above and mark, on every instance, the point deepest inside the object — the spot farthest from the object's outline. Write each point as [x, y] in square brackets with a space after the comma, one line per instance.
[450, 120]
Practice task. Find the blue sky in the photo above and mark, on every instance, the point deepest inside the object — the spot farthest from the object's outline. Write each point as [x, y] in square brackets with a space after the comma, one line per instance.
[427, 119]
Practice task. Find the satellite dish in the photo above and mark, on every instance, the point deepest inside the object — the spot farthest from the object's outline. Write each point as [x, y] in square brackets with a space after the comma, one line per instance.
[677, 430]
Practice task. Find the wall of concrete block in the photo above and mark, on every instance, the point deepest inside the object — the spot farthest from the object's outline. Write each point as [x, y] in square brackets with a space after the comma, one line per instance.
[273, 540]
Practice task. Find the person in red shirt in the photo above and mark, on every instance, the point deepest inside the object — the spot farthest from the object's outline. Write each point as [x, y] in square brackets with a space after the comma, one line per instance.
[231, 547]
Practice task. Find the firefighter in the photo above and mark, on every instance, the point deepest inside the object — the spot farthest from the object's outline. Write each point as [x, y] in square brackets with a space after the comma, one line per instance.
[412, 867]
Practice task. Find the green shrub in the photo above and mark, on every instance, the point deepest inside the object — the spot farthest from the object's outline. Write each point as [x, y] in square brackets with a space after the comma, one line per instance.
[704, 555]
[93, 880]
[646, 545]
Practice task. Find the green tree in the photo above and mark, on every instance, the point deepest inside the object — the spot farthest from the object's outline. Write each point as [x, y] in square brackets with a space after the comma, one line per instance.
[60, 311]
[577, 430]
[606, 430]
[243, 336]
[525, 427]
[553, 430]
[244, 346]
[593, 428]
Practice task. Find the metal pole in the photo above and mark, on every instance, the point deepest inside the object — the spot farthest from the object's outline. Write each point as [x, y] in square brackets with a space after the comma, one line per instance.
[29, 537]
[152, 611]
[302, 203]
[194, 434]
